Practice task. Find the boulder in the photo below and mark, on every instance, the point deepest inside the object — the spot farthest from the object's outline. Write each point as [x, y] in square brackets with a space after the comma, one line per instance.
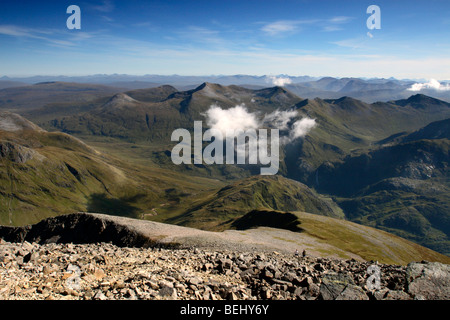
[428, 280]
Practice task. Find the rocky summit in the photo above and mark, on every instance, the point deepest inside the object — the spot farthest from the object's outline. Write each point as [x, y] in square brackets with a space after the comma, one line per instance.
[105, 271]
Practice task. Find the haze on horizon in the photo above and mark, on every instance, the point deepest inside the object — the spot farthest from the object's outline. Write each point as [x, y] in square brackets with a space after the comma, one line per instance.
[303, 37]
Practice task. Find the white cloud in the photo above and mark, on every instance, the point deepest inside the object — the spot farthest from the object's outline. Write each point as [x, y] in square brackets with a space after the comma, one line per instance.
[280, 119]
[236, 118]
[239, 118]
[432, 84]
[301, 128]
[279, 81]
[284, 120]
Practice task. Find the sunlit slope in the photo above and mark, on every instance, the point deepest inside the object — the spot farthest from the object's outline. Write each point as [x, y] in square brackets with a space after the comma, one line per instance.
[328, 236]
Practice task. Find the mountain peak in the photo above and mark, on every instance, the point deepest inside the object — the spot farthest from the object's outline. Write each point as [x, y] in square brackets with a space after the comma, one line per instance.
[345, 101]
[120, 99]
[208, 85]
[420, 101]
[13, 122]
[419, 97]
[211, 90]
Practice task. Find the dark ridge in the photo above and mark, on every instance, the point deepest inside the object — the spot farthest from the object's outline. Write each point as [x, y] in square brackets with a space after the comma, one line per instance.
[301, 104]
[45, 82]
[435, 130]
[420, 101]
[79, 228]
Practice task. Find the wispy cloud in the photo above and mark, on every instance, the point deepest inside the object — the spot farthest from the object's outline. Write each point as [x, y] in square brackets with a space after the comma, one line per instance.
[201, 35]
[49, 36]
[106, 6]
[282, 26]
[16, 31]
[335, 23]
[291, 26]
[353, 43]
[38, 34]
[340, 19]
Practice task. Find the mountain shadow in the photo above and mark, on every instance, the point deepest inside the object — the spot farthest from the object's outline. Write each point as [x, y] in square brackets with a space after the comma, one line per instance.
[268, 218]
[100, 203]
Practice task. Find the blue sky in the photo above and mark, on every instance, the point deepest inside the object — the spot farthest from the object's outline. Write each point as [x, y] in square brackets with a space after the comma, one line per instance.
[258, 37]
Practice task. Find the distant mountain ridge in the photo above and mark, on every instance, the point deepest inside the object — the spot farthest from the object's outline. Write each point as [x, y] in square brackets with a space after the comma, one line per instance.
[368, 90]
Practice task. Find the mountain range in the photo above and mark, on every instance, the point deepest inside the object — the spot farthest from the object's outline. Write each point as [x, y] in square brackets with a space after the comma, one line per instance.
[368, 90]
[98, 148]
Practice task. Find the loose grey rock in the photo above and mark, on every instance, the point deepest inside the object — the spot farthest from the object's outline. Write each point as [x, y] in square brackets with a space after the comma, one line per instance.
[429, 280]
[105, 271]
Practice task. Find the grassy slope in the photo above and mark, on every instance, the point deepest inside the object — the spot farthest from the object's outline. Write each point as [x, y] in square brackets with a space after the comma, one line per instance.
[65, 175]
[369, 243]
[324, 235]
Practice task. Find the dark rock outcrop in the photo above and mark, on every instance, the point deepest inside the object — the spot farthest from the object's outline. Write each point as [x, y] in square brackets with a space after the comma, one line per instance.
[76, 228]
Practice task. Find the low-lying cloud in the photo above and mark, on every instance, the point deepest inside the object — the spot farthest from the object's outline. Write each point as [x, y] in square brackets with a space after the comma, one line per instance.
[239, 118]
[432, 84]
[279, 81]
[231, 119]
[301, 128]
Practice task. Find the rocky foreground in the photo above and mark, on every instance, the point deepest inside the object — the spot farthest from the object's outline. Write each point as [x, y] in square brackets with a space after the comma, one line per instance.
[101, 271]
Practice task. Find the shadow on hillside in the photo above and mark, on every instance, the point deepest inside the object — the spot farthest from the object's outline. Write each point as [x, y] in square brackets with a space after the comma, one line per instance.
[268, 218]
[100, 203]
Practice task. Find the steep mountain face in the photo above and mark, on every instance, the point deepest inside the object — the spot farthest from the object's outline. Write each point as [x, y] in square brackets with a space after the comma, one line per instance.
[402, 187]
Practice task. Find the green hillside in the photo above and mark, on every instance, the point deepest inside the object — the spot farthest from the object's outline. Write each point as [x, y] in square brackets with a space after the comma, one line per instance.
[45, 174]
[217, 210]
